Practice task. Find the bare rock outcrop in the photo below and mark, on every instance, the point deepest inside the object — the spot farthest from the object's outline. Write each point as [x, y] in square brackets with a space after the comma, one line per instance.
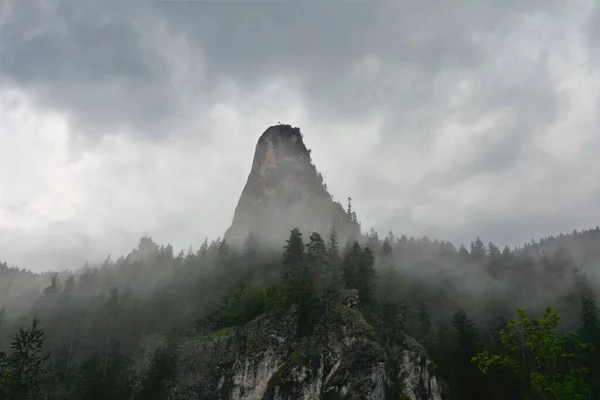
[284, 191]
[344, 358]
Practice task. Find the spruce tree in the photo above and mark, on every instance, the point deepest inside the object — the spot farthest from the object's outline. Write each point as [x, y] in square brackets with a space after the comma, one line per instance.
[589, 331]
[22, 370]
[468, 379]
[478, 251]
[366, 277]
[334, 262]
[160, 377]
[389, 289]
[250, 249]
[316, 258]
[350, 266]
[293, 256]
[298, 284]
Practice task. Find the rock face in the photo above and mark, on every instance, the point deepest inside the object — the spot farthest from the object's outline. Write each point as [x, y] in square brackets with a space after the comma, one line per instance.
[146, 249]
[285, 191]
[343, 359]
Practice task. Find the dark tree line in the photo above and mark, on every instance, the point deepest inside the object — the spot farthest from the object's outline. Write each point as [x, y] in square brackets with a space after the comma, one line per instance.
[498, 324]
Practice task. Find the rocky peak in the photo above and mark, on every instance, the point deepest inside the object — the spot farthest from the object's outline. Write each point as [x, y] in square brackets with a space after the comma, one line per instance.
[284, 190]
[146, 249]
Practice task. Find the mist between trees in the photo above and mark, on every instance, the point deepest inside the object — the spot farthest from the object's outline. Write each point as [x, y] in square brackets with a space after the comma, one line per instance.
[89, 326]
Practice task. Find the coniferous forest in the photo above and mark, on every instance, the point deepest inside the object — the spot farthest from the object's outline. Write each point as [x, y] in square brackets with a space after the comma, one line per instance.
[519, 323]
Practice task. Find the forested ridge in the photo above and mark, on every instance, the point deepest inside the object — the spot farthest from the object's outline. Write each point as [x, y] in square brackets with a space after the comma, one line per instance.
[518, 323]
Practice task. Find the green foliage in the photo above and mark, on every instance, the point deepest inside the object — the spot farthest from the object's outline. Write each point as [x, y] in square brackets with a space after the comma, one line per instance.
[537, 348]
[589, 331]
[359, 272]
[299, 274]
[2, 327]
[334, 263]
[468, 380]
[160, 377]
[366, 277]
[96, 319]
[243, 305]
[294, 256]
[316, 258]
[21, 371]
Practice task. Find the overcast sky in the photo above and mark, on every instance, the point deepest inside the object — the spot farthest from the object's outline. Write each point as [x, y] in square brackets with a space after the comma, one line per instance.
[454, 119]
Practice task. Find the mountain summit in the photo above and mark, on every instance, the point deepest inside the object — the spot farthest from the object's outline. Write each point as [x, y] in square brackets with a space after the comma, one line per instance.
[285, 191]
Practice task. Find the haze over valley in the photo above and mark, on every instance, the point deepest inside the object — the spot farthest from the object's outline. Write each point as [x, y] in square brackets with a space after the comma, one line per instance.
[466, 122]
[299, 200]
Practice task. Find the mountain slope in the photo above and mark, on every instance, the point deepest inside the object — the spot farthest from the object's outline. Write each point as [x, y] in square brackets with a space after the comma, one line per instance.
[284, 191]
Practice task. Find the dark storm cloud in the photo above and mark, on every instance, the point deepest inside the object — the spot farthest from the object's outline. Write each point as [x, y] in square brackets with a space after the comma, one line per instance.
[320, 42]
[101, 62]
[438, 117]
[89, 60]
[528, 103]
[593, 25]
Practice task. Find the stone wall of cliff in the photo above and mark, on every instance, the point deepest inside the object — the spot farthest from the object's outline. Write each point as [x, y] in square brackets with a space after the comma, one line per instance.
[343, 359]
[284, 191]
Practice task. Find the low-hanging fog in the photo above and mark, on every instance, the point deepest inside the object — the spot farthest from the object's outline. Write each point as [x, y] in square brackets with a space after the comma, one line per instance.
[466, 122]
[461, 137]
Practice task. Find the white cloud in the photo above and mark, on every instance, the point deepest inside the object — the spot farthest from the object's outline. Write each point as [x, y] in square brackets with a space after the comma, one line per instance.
[145, 121]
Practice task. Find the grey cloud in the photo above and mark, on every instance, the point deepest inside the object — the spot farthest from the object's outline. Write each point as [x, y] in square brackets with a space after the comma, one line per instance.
[319, 43]
[88, 60]
[99, 62]
[516, 206]
[530, 104]
[498, 228]
[57, 247]
[520, 91]
[593, 25]
[151, 69]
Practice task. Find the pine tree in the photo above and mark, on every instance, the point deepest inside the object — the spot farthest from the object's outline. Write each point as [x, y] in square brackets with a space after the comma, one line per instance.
[22, 370]
[293, 256]
[373, 241]
[250, 249]
[494, 263]
[299, 286]
[316, 258]
[366, 277]
[54, 286]
[386, 258]
[334, 262]
[478, 251]
[160, 377]
[463, 253]
[223, 250]
[203, 251]
[589, 331]
[2, 327]
[350, 266]
[250, 257]
[389, 288]
[424, 332]
[294, 267]
[70, 283]
[469, 379]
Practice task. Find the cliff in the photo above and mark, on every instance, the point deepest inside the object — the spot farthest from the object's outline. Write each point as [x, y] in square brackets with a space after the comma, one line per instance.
[285, 191]
[344, 359]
